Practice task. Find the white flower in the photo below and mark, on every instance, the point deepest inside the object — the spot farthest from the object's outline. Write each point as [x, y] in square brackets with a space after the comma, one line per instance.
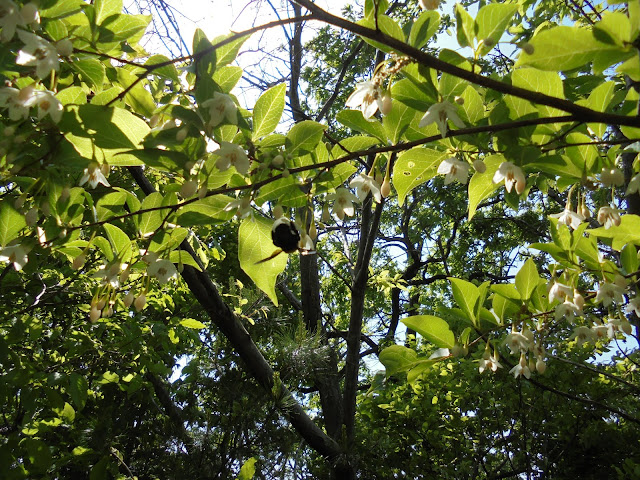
[37, 51]
[162, 270]
[10, 18]
[521, 368]
[440, 113]
[429, 4]
[567, 309]
[15, 254]
[93, 175]
[109, 274]
[343, 202]
[221, 107]
[609, 217]
[232, 154]
[365, 184]
[609, 293]
[454, 169]
[367, 96]
[569, 218]
[512, 176]
[634, 306]
[48, 104]
[560, 292]
[600, 331]
[488, 362]
[306, 242]
[18, 102]
[611, 176]
[517, 342]
[582, 334]
[242, 206]
[634, 185]
[29, 13]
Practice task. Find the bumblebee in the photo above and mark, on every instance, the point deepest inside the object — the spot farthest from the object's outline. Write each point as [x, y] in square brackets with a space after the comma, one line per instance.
[285, 236]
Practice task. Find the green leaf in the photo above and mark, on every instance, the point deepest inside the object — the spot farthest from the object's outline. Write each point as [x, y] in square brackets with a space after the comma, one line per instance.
[397, 358]
[78, 390]
[562, 48]
[433, 329]
[424, 28]
[527, 279]
[386, 25]
[120, 242]
[192, 323]
[507, 291]
[119, 28]
[397, 121]
[465, 26]
[227, 53]
[599, 100]
[268, 111]
[72, 96]
[481, 185]
[180, 257]
[110, 205]
[91, 71]
[138, 97]
[205, 211]
[168, 70]
[614, 29]
[285, 190]
[248, 469]
[627, 232]
[491, 22]
[149, 222]
[410, 94]
[62, 8]
[106, 8]
[11, 222]
[414, 168]
[304, 137]
[227, 77]
[108, 377]
[466, 295]
[354, 120]
[91, 128]
[548, 83]
[503, 307]
[629, 258]
[254, 245]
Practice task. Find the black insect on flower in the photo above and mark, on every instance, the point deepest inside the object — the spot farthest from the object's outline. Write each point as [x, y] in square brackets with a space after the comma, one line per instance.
[286, 237]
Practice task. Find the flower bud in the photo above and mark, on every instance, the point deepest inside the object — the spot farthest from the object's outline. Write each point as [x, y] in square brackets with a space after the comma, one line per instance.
[188, 188]
[128, 299]
[29, 13]
[9, 131]
[285, 173]
[326, 214]
[459, 100]
[94, 314]
[313, 233]
[277, 161]
[528, 48]
[140, 302]
[100, 304]
[107, 312]
[385, 188]
[78, 262]
[154, 120]
[202, 192]
[181, 135]
[31, 217]
[541, 366]
[479, 166]
[488, 42]
[278, 212]
[64, 47]
[387, 104]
